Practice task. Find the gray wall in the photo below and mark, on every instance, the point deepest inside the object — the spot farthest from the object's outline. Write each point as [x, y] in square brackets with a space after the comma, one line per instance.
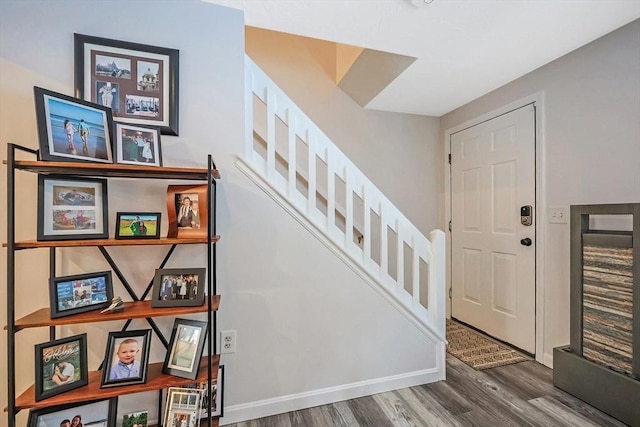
[591, 145]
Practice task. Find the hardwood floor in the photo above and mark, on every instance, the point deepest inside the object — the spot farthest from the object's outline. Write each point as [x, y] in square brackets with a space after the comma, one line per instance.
[521, 394]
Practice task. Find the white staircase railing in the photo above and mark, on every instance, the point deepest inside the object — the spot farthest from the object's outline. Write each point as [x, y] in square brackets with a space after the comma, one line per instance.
[292, 156]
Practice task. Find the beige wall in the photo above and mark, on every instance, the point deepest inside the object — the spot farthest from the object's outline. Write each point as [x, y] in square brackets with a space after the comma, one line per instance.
[591, 132]
[397, 152]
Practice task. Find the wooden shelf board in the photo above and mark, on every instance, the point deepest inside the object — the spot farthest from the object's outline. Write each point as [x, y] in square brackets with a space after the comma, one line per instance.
[132, 310]
[156, 380]
[115, 170]
[28, 244]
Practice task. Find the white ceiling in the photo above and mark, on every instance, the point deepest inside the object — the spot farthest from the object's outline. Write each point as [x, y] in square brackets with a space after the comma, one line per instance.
[465, 48]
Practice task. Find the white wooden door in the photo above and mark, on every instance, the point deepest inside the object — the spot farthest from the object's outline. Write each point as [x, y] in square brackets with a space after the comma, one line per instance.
[492, 271]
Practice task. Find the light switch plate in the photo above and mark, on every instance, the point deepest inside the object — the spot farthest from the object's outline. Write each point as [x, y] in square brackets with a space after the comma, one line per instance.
[559, 215]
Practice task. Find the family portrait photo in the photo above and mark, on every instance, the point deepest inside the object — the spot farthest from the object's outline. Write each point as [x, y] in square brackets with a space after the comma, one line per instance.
[178, 287]
[92, 414]
[72, 129]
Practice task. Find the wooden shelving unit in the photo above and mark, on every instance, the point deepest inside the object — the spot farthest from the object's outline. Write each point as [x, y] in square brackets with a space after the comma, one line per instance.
[139, 308]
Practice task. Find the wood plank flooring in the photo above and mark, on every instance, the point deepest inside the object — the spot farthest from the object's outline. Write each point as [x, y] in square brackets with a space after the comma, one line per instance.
[521, 394]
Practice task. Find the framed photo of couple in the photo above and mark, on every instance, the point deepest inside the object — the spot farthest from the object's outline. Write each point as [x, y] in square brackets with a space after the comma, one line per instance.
[137, 225]
[187, 210]
[61, 365]
[137, 82]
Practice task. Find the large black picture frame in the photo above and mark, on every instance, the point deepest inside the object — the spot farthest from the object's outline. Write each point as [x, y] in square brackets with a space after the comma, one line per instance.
[111, 72]
[50, 355]
[62, 123]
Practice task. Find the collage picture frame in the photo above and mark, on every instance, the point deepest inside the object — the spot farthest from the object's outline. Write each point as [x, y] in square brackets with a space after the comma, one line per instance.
[80, 293]
[72, 208]
[138, 82]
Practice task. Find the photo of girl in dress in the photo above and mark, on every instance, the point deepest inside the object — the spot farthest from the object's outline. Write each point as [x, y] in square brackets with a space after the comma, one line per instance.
[137, 145]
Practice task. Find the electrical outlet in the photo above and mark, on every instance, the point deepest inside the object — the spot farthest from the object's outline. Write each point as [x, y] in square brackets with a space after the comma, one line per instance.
[559, 215]
[227, 342]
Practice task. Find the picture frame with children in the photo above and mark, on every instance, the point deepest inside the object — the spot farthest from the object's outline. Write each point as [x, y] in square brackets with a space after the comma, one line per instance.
[127, 358]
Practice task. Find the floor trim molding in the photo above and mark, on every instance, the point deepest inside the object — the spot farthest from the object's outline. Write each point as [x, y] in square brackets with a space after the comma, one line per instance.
[309, 399]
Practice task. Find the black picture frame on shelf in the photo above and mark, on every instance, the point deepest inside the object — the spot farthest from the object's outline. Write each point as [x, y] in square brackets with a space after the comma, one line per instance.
[80, 293]
[94, 413]
[137, 225]
[179, 287]
[61, 365]
[71, 208]
[138, 82]
[137, 145]
[185, 348]
[72, 129]
[126, 359]
[216, 394]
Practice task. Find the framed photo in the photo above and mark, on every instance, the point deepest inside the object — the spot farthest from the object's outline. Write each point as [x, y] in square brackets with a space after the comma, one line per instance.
[127, 358]
[185, 348]
[136, 419]
[137, 81]
[61, 365]
[183, 407]
[138, 145]
[80, 293]
[179, 287]
[215, 394]
[72, 129]
[72, 208]
[99, 413]
[137, 225]
[187, 210]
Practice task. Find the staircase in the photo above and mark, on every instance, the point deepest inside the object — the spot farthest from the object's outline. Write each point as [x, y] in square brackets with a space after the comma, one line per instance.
[301, 169]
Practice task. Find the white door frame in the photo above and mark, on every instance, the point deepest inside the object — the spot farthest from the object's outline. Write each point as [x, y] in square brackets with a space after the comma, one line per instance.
[540, 212]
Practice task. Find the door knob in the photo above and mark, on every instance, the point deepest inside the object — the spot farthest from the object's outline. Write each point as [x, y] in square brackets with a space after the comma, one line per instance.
[525, 242]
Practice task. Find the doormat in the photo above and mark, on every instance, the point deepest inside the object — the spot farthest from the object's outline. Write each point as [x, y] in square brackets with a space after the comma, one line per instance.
[477, 350]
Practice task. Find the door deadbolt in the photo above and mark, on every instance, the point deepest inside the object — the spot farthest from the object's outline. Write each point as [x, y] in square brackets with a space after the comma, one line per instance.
[526, 215]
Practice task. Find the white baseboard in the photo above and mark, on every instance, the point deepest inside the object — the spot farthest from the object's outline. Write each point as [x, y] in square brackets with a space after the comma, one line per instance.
[294, 402]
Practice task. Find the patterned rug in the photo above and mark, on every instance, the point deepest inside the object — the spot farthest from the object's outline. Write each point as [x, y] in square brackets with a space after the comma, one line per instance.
[477, 350]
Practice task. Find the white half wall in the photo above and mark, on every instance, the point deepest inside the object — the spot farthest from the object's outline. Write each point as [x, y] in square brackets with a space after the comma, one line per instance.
[592, 146]
[309, 329]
